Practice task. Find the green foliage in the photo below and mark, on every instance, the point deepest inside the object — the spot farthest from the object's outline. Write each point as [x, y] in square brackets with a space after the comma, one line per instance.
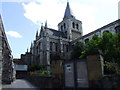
[91, 45]
[77, 49]
[109, 44]
[41, 73]
[45, 73]
[36, 70]
[111, 66]
[36, 67]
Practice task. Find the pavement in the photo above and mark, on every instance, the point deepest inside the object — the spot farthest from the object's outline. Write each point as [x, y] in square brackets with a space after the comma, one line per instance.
[19, 84]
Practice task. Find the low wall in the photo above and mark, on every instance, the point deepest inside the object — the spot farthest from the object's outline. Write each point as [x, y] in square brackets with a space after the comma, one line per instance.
[108, 81]
[111, 81]
[21, 74]
[40, 81]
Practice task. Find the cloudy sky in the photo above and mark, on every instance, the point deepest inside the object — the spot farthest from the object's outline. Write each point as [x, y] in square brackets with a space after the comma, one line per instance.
[22, 18]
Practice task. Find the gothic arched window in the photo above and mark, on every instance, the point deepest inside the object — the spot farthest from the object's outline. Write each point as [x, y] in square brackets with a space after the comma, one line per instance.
[77, 26]
[73, 25]
[56, 47]
[64, 26]
[117, 29]
[106, 31]
[61, 28]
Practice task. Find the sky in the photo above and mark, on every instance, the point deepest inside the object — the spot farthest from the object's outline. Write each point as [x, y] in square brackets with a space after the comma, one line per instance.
[22, 18]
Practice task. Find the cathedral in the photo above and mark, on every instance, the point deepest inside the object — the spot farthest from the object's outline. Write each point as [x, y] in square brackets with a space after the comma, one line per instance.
[51, 44]
[54, 44]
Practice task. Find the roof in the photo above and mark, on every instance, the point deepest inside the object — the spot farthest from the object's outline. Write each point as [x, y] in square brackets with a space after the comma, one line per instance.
[19, 62]
[68, 12]
[58, 33]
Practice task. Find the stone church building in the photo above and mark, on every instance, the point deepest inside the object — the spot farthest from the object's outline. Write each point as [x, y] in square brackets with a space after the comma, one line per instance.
[51, 44]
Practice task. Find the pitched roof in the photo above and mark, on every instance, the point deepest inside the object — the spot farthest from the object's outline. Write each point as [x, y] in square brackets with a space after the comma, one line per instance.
[58, 33]
[68, 12]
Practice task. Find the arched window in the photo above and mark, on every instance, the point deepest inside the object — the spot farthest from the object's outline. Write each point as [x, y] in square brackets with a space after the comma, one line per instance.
[77, 26]
[106, 31]
[73, 25]
[64, 26]
[56, 47]
[61, 28]
[117, 29]
[86, 40]
[51, 44]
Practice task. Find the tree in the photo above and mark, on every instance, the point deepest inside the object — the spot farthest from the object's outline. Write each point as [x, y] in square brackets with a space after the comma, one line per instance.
[91, 46]
[109, 44]
[77, 49]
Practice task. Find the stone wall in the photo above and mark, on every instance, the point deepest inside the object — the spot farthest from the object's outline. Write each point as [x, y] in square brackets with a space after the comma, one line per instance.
[95, 65]
[40, 81]
[95, 68]
[111, 81]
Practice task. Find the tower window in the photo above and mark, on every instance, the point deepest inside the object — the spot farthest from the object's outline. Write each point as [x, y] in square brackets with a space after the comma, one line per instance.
[73, 25]
[77, 26]
[61, 28]
[64, 26]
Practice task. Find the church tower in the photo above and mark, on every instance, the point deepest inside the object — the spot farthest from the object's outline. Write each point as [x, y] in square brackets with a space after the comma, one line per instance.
[70, 26]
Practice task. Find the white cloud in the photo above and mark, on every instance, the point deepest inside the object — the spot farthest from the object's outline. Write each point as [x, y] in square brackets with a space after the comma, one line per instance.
[38, 11]
[14, 34]
[53, 12]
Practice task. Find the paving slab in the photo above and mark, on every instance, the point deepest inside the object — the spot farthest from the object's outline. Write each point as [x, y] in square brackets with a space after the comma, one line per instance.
[19, 84]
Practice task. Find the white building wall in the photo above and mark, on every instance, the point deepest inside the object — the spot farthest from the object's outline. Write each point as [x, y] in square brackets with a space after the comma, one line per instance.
[21, 67]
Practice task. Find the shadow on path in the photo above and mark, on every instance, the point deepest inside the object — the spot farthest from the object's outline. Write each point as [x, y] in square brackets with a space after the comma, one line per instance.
[19, 84]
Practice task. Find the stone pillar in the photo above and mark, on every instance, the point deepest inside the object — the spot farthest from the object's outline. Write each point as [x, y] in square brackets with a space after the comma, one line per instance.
[95, 68]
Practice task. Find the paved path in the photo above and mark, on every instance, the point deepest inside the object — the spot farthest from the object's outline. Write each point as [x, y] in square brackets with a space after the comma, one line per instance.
[19, 84]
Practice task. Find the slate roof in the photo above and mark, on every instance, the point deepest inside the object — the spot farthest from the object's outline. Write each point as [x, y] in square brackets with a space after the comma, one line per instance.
[58, 33]
[68, 12]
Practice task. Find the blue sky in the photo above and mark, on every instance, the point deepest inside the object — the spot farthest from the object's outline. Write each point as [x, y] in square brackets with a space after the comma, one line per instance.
[22, 18]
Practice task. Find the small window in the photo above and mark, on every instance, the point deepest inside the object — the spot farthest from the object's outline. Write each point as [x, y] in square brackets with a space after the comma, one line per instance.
[56, 47]
[73, 24]
[106, 31]
[77, 26]
[61, 28]
[86, 40]
[117, 29]
[64, 26]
